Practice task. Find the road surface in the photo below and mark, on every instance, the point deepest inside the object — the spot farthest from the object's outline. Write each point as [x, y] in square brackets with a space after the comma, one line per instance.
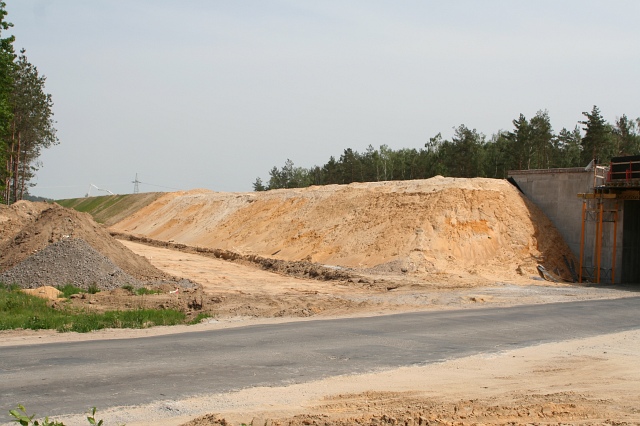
[65, 378]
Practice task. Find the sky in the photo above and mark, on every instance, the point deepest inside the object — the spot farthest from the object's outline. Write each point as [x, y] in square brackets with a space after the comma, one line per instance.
[213, 94]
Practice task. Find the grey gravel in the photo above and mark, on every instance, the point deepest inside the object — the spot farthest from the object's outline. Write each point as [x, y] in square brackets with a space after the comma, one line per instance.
[69, 261]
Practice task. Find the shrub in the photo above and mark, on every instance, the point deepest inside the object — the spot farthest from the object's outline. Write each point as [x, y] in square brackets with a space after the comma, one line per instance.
[20, 415]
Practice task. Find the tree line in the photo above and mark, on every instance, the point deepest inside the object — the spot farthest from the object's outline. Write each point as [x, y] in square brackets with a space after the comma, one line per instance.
[26, 118]
[531, 144]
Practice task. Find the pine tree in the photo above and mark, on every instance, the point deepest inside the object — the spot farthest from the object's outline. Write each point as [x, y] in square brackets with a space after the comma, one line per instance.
[31, 126]
[521, 144]
[541, 140]
[626, 137]
[597, 142]
[6, 83]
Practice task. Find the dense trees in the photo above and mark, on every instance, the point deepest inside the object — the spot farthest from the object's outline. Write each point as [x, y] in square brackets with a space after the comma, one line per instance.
[532, 144]
[6, 83]
[26, 118]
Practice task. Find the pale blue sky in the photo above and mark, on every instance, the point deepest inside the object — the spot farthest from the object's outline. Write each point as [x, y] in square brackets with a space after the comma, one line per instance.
[212, 94]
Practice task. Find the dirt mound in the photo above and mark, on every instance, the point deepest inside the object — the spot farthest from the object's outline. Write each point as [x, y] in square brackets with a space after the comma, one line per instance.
[411, 408]
[46, 244]
[15, 217]
[50, 223]
[46, 292]
[68, 261]
[440, 226]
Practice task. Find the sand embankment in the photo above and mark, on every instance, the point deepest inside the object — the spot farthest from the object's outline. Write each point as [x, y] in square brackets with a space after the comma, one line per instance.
[483, 227]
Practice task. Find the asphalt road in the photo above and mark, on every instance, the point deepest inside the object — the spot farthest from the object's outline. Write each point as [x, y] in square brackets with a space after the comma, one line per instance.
[65, 378]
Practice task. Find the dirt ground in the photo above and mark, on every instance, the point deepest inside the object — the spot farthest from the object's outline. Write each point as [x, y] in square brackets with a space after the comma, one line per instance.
[591, 381]
[228, 291]
[353, 250]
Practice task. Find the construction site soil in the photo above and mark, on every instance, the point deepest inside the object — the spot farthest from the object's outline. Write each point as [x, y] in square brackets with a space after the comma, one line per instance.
[433, 229]
[359, 249]
[46, 244]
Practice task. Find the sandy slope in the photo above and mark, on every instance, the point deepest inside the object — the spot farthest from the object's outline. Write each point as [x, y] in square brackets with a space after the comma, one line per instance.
[477, 227]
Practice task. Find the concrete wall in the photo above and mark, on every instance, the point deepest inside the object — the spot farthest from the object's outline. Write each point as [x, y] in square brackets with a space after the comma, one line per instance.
[555, 192]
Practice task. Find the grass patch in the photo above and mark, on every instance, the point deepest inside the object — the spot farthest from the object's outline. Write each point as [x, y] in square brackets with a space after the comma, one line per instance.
[137, 318]
[91, 205]
[142, 291]
[198, 319]
[69, 290]
[20, 310]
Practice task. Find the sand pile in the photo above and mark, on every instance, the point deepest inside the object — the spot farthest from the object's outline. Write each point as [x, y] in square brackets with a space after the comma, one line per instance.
[435, 226]
[15, 217]
[45, 292]
[47, 244]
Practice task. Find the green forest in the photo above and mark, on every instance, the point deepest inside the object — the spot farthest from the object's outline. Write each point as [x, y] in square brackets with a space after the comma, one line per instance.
[26, 118]
[532, 144]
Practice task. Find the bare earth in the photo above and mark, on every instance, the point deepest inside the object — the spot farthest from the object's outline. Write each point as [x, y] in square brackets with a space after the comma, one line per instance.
[589, 381]
[352, 250]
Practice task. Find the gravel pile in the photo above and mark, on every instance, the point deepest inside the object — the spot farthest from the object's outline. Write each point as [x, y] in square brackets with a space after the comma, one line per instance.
[69, 261]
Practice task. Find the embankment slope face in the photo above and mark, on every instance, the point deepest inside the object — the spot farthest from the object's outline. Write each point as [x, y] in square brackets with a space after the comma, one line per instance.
[482, 227]
[110, 209]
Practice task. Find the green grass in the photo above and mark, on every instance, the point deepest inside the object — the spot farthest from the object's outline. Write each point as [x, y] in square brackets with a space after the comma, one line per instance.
[69, 290]
[91, 204]
[20, 310]
[199, 318]
[103, 207]
[144, 291]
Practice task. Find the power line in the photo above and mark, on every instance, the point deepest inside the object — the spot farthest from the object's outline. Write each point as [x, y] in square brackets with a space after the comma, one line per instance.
[111, 184]
[160, 186]
[136, 188]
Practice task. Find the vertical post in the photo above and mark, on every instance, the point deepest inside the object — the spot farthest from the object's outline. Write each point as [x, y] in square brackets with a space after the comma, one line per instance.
[615, 240]
[599, 241]
[584, 213]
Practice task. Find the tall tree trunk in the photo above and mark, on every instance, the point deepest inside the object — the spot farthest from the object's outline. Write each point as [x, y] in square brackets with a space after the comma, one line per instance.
[10, 162]
[23, 177]
[16, 170]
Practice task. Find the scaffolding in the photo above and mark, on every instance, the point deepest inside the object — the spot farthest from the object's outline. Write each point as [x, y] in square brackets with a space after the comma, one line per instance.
[601, 210]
